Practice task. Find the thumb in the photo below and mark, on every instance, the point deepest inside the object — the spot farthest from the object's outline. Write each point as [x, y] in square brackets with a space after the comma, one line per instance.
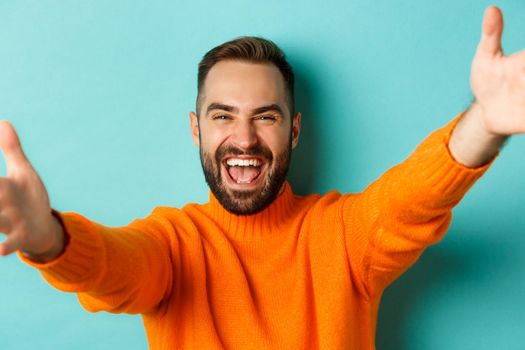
[9, 246]
[490, 43]
[10, 146]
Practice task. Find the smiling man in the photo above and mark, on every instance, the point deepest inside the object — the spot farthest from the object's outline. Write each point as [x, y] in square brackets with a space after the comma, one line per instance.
[247, 129]
[258, 267]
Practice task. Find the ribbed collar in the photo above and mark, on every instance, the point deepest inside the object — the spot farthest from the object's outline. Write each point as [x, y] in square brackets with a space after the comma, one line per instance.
[270, 221]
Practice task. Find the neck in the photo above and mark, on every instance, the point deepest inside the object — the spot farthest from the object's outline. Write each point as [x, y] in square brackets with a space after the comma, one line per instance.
[268, 221]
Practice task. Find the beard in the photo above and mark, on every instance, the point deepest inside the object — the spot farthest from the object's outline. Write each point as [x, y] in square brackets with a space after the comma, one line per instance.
[246, 202]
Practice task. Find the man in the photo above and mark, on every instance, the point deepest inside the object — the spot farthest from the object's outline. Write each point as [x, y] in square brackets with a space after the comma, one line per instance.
[258, 267]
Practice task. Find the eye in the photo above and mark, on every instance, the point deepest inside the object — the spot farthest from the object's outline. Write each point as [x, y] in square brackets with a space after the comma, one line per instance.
[267, 117]
[221, 117]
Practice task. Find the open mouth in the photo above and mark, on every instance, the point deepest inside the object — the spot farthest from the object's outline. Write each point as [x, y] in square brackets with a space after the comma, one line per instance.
[244, 170]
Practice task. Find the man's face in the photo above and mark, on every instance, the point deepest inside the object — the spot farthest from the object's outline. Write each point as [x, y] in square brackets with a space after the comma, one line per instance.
[245, 134]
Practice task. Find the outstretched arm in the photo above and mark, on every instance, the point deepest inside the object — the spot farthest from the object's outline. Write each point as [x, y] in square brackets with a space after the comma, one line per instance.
[410, 206]
[498, 84]
[112, 269]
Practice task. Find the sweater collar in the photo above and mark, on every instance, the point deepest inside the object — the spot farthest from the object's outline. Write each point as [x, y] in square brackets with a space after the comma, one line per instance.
[266, 222]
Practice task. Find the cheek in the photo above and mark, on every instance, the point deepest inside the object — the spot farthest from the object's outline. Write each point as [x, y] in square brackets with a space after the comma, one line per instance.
[211, 139]
[276, 141]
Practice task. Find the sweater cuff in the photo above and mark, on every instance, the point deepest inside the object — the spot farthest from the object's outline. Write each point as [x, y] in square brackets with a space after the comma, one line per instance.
[437, 166]
[82, 252]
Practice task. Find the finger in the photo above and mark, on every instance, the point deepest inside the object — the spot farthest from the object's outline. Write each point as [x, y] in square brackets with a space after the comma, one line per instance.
[10, 146]
[5, 225]
[492, 28]
[9, 246]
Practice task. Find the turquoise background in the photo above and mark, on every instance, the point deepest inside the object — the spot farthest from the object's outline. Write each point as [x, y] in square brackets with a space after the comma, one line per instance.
[100, 91]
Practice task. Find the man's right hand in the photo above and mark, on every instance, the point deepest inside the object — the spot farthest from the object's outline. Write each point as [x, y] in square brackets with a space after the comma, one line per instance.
[25, 211]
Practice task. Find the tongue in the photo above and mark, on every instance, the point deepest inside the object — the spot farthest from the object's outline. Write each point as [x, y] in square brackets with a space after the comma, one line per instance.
[244, 174]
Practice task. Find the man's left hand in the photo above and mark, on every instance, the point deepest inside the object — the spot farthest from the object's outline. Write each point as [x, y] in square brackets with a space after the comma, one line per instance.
[498, 81]
[498, 84]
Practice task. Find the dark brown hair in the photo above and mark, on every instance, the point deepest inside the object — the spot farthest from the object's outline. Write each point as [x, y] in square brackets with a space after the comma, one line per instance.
[250, 49]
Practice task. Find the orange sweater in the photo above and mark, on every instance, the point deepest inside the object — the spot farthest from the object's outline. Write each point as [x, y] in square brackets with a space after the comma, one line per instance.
[306, 273]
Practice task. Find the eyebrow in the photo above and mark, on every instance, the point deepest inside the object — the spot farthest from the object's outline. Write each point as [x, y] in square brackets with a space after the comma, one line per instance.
[222, 107]
[270, 108]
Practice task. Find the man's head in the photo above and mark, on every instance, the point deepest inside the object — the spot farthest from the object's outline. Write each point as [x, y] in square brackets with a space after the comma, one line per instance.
[245, 126]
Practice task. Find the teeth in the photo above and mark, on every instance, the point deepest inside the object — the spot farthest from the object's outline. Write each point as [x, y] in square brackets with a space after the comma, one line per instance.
[243, 162]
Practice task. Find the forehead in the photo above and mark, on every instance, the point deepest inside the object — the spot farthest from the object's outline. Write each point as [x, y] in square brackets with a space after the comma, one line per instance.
[244, 85]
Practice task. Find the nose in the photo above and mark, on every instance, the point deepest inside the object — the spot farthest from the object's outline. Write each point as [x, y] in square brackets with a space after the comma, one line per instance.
[245, 135]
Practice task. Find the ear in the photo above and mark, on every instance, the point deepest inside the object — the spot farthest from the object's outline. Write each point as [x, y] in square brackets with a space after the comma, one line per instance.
[194, 126]
[296, 129]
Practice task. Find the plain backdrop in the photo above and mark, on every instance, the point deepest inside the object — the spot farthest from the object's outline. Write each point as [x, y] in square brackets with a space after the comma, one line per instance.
[100, 92]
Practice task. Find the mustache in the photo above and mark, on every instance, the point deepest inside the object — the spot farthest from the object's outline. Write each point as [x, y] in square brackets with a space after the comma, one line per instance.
[258, 150]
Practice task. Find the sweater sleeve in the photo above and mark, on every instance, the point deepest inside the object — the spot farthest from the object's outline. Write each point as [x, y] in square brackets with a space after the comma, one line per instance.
[121, 269]
[408, 208]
